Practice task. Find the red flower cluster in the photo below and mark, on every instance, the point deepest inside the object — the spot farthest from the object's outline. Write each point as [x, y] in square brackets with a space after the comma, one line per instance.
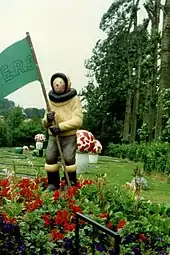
[121, 224]
[8, 219]
[61, 217]
[71, 192]
[4, 182]
[47, 219]
[109, 225]
[142, 237]
[84, 182]
[28, 183]
[31, 206]
[27, 193]
[104, 215]
[5, 192]
[57, 235]
[56, 195]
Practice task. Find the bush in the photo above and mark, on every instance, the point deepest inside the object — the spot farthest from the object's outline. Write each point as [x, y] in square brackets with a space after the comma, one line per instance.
[155, 156]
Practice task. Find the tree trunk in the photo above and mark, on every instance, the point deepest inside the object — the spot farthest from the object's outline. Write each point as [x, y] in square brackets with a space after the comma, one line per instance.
[136, 92]
[145, 113]
[152, 106]
[136, 99]
[127, 120]
[128, 105]
[165, 65]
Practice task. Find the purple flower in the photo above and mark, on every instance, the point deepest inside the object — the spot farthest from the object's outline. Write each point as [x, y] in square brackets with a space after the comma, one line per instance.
[68, 244]
[22, 247]
[136, 251]
[100, 247]
[112, 251]
[101, 237]
[1, 219]
[8, 227]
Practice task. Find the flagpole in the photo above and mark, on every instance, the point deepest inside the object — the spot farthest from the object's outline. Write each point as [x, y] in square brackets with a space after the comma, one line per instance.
[48, 105]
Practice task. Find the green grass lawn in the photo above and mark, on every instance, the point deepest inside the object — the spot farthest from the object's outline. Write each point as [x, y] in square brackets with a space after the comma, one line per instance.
[118, 172]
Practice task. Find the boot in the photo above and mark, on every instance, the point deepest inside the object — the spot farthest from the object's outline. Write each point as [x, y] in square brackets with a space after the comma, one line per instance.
[72, 177]
[53, 181]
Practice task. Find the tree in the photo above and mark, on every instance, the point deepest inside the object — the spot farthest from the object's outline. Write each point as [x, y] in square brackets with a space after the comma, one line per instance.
[5, 107]
[13, 122]
[164, 83]
[153, 10]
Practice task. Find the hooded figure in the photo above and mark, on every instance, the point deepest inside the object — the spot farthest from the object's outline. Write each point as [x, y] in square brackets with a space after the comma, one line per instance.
[66, 109]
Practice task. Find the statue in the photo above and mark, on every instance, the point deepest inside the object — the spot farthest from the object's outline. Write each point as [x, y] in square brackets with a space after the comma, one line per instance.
[66, 110]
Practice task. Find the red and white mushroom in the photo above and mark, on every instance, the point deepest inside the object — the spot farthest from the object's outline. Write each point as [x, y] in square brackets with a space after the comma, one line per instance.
[85, 141]
[39, 138]
[97, 148]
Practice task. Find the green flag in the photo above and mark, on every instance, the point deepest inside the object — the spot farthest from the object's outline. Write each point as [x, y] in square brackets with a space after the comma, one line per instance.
[17, 67]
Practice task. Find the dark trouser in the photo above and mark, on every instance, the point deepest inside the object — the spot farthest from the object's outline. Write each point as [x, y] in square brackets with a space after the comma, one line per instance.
[68, 146]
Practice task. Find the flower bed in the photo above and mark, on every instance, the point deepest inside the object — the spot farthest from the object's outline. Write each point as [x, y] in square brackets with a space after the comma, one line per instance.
[37, 222]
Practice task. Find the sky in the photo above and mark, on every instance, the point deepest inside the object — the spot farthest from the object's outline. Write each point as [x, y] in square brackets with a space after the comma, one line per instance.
[63, 32]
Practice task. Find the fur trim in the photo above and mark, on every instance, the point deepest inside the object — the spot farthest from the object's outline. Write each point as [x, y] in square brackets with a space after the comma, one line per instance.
[51, 168]
[63, 97]
[71, 169]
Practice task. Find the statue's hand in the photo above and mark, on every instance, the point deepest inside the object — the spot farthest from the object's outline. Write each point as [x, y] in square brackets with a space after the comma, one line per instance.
[55, 130]
[50, 116]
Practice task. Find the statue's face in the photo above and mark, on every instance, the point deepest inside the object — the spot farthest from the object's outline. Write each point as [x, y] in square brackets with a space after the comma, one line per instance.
[59, 85]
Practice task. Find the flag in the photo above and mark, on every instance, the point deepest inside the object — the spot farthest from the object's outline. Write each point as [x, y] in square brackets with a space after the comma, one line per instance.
[17, 67]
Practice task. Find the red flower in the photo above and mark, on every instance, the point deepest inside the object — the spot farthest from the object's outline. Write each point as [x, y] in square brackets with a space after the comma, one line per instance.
[61, 217]
[34, 186]
[31, 206]
[27, 183]
[87, 182]
[56, 235]
[69, 227]
[71, 192]
[27, 193]
[84, 182]
[142, 237]
[24, 183]
[44, 180]
[4, 182]
[47, 220]
[8, 219]
[110, 225]
[56, 195]
[5, 192]
[71, 203]
[104, 215]
[76, 209]
[121, 224]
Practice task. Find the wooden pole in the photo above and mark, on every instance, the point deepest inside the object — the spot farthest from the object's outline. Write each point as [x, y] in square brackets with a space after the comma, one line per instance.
[48, 106]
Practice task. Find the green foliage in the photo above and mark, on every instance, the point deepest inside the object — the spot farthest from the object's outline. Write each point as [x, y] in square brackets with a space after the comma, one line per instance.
[15, 130]
[155, 156]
